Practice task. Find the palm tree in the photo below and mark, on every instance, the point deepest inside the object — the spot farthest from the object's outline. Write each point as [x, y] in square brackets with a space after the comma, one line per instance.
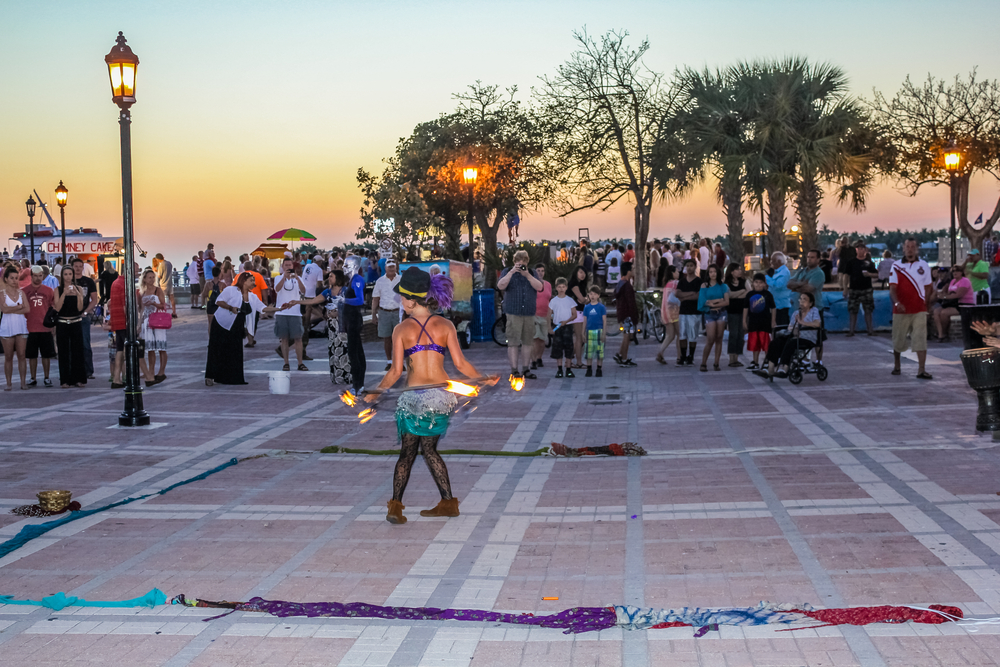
[716, 132]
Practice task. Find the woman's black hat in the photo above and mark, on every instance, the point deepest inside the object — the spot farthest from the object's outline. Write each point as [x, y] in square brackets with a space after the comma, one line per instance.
[414, 283]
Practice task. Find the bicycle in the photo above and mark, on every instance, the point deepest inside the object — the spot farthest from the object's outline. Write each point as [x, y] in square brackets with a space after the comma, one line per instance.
[649, 317]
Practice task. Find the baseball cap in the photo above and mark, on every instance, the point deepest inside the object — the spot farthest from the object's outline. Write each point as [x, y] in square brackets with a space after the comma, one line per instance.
[37, 269]
[974, 251]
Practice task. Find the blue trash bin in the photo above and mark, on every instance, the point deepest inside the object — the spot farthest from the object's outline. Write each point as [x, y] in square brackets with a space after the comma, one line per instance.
[484, 314]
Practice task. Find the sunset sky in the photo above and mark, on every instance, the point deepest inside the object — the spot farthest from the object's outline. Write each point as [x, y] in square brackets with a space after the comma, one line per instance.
[255, 116]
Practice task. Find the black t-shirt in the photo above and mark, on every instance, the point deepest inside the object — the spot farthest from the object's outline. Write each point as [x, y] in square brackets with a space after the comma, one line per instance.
[759, 306]
[684, 285]
[88, 286]
[69, 308]
[856, 269]
[736, 304]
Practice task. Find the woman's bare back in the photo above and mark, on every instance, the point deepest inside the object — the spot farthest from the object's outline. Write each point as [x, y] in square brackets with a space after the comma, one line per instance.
[427, 366]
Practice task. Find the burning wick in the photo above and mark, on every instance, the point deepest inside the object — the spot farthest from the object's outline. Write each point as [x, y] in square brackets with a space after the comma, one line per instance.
[461, 388]
[348, 398]
[516, 383]
[366, 415]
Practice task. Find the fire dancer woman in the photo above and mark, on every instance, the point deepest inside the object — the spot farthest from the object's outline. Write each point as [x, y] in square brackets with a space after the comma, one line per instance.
[225, 339]
[422, 415]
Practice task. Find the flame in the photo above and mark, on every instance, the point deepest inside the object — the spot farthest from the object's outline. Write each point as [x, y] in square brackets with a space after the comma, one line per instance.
[462, 389]
[349, 399]
[366, 415]
[516, 383]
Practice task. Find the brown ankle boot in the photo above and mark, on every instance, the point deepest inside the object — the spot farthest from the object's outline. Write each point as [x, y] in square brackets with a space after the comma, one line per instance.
[395, 513]
[444, 508]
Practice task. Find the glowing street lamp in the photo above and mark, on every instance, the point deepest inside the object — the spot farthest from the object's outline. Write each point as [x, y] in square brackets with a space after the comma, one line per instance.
[469, 175]
[953, 163]
[61, 195]
[122, 64]
[30, 205]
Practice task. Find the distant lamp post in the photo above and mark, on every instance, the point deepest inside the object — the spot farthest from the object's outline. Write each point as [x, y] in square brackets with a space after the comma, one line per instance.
[61, 194]
[953, 163]
[122, 64]
[30, 205]
[469, 174]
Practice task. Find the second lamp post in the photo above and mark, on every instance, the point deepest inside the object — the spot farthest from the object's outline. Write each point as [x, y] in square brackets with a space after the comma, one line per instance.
[61, 194]
[469, 174]
[953, 162]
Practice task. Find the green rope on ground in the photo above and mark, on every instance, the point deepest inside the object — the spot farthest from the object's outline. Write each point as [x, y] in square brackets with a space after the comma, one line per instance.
[461, 452]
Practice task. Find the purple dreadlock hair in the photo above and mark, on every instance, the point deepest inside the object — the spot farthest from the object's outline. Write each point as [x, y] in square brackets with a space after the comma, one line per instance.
[439, 295]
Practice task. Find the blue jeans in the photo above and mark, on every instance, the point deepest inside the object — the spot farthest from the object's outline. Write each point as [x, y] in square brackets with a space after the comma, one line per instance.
[88, 353]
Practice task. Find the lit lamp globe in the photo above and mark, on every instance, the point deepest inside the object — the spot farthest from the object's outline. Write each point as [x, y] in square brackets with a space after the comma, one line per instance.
[61, 194]
[952, 160]
[469, 174]
[122, 64]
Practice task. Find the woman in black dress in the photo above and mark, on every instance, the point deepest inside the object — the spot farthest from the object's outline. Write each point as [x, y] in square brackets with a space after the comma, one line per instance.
[225, 339]
[68, 303]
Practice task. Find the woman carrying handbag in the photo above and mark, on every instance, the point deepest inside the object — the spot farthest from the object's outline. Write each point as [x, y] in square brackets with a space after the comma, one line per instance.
[153, 325]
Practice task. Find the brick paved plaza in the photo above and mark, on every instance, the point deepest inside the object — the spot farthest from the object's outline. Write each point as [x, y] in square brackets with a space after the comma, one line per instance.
[863, 490]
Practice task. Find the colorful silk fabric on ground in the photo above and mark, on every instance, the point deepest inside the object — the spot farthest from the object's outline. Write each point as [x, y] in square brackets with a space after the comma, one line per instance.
[624, 449]
[571, 621]
[644, 618]
[60, 601]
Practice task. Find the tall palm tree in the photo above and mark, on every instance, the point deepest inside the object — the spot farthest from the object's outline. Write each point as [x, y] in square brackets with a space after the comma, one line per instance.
[715, 125]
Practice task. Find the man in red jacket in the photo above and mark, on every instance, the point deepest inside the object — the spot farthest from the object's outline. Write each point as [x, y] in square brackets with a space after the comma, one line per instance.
[116, 312]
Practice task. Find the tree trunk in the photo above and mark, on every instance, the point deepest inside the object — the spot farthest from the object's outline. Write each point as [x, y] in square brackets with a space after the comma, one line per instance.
[452, 228]
[776, 201]
[975, 236]
[641, 235]
[807, 203]
[731, 194]
[491, 257]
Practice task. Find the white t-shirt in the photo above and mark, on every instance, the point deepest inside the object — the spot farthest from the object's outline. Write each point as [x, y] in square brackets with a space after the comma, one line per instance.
[88, 270]
[705, 256]
[615, 273]
[290, 290]
[563, 308]
[614, 253]
[192, 273]
[312, 276]
[231, 296]
[388, 299]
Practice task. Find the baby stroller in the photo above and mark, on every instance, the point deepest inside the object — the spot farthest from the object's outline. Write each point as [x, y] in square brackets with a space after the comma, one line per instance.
[799, 366]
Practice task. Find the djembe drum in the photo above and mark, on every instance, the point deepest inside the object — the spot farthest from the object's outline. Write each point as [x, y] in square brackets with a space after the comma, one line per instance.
[982, 370]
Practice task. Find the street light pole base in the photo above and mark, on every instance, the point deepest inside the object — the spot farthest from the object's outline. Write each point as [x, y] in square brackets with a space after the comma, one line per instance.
[140, 419]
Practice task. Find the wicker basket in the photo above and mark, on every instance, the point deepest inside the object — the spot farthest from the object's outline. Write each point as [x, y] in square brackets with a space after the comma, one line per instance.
[54, 501]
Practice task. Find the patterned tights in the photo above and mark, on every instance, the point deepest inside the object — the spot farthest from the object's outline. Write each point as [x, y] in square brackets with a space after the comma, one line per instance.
[408, 454]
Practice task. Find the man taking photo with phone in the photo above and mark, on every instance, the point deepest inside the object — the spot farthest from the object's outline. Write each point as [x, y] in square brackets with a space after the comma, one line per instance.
[520, 287]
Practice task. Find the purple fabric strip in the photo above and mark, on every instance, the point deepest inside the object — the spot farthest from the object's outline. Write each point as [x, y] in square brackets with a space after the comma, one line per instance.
[571, 621]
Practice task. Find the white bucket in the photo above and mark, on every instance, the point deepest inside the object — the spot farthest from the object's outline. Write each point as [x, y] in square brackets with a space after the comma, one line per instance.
[279, 381]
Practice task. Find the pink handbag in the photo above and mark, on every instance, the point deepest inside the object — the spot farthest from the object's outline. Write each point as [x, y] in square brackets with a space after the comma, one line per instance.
[160, 320]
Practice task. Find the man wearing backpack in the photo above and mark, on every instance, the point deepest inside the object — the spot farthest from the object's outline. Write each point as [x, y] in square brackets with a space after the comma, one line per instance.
[211, 292]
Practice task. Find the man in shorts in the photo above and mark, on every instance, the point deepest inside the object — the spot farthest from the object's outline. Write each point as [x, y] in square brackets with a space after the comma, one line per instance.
[194, 281]
[40, 341]
[909, 290]
[520, 286]
[165, 279]
[288, 321]
[386, 307]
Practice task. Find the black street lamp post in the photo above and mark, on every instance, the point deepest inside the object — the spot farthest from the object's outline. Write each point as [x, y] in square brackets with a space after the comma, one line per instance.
[469, 174]
[122, 64]
[952, 162]
[61, 194]
[30, 205]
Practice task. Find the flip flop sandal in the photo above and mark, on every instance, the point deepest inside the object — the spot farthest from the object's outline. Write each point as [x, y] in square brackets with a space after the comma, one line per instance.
[703, 368]
[896, 371]
[925, 376]
[286, 367]
[303, 367]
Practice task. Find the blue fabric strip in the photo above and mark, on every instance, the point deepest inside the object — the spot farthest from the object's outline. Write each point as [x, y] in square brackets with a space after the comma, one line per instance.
[60, 601]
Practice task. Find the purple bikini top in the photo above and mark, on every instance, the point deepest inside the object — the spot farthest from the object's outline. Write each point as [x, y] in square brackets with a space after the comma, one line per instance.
[429, 347]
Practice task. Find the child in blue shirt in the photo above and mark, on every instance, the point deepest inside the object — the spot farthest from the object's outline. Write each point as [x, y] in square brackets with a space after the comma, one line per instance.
[596, 316]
